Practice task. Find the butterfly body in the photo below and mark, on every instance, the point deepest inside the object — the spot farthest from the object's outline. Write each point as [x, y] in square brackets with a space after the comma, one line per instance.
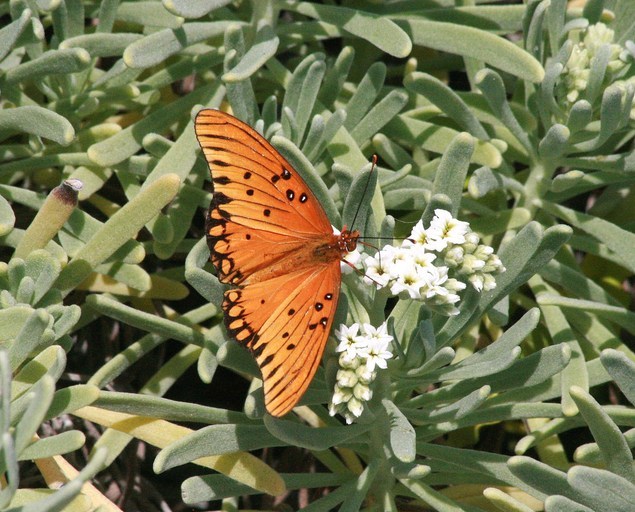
[270, 238]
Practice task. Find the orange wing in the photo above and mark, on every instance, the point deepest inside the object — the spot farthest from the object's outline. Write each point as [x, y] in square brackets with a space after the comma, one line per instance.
[285, 321]
[270, 237]
[261, 210]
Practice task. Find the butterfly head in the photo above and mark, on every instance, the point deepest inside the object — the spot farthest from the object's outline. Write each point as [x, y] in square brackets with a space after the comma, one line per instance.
[347, 240]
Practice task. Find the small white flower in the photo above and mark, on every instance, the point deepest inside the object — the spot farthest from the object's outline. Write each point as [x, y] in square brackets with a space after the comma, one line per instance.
[347, 336]
[407, 280]
[432, 266]
[446, 229]
[434, 283]
[420, 237]
[394, 255]
[376, 271]
[577, 71]
[483, 252]
[377, 333]
[352, 386]
[579, 58]
[376, 353]
[421, 258]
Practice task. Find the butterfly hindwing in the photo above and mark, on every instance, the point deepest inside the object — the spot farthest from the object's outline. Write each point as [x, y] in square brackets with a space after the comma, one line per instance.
[285, 323]
[261, 208]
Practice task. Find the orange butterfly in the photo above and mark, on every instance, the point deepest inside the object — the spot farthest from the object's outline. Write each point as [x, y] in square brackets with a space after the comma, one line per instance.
[270, 238]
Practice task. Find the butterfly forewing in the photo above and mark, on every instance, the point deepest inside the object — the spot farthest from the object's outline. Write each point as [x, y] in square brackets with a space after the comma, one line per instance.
[269, 236]
[254, 188]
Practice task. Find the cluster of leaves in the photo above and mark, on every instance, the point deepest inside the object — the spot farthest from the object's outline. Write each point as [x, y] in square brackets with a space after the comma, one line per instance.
[102, 94]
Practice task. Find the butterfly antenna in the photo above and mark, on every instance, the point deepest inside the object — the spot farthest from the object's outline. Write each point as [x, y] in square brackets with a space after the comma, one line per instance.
[374, 163]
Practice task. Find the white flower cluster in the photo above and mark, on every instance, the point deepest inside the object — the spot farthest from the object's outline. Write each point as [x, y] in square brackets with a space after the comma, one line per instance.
[577, 70]
[360, 354]
[433, 262]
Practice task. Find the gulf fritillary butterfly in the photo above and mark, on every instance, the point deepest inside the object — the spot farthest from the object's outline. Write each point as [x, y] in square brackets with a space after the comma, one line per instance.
[269, 237]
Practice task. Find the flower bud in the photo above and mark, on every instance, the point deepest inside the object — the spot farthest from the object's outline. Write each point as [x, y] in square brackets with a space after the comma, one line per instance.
[346, 378]
[355, 406]
[362, 392]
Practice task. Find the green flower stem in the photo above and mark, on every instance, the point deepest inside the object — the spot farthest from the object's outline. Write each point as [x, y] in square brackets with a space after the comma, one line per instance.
[472, 42]
[429, 496]
[619, 315]
[146, 321]
[377, 312]
[159, 46]
[617, 239]
[171, 410]
[379, 31]
[613, 446]
[126, 358]
[55, 445]
[42, 162]
[264, 47]
[37, 121]
[491, 85]
[55, 211]
[369, 477]
[62, 497]
[447, 100]
[621, 368]
[537, 185]
[519, 410]
[62, 62]
[379, 436]
[10, 33]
